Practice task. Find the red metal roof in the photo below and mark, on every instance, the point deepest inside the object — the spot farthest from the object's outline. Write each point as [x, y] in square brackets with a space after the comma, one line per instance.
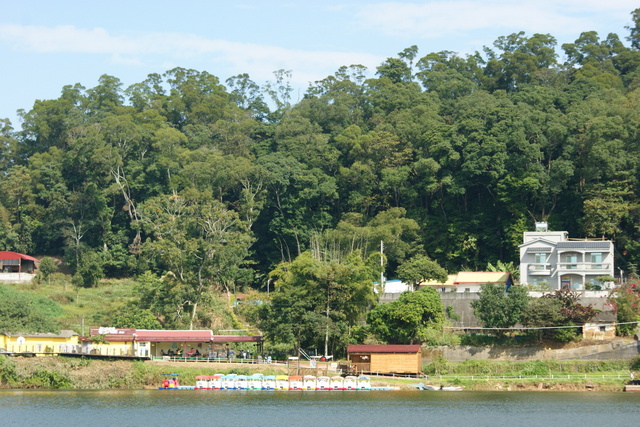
[173, 336]
[128, 335]
[16, 255]
[236, 338]
[381, 348]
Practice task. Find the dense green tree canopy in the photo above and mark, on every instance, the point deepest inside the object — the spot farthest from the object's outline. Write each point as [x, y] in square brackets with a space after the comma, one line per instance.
[432, 152]
[498, 308]
[315, 302]
[407, 319]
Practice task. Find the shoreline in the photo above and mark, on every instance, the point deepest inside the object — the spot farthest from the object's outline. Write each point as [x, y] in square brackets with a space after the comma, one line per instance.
[87, 374]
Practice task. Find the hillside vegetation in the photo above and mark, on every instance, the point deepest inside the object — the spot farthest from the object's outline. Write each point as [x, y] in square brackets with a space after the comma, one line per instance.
[198, 189]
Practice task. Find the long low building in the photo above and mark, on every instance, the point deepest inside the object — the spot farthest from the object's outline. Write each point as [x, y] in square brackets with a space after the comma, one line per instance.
[161, 343]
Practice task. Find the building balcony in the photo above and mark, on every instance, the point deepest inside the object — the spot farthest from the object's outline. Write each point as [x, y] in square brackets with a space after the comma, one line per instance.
[586, 267]
[539, 269]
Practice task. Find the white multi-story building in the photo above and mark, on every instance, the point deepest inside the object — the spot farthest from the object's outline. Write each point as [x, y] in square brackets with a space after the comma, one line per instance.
[550, 257]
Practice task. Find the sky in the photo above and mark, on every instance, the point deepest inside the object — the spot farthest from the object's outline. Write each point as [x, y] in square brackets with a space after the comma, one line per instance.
[45, 44]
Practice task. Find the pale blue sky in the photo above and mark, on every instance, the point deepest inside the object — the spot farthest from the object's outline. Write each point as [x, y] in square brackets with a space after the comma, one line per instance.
[46, 44]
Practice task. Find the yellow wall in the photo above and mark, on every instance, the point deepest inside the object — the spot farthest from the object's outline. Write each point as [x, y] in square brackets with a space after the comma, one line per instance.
[38, 344]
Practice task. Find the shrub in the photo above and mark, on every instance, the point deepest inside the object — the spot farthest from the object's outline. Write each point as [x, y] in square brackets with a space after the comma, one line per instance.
[49, 379]
[437, 366]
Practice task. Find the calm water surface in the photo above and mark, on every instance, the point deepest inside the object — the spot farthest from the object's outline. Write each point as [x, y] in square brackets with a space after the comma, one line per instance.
[262, 408]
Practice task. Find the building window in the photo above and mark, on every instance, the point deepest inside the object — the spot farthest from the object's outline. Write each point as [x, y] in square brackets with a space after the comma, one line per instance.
[596, 260]
[541, 258]
[571, 261]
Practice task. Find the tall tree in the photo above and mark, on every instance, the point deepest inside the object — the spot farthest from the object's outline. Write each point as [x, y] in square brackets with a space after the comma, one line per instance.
[315, 301]
[498, 308]
[196, 240]
[408, 319]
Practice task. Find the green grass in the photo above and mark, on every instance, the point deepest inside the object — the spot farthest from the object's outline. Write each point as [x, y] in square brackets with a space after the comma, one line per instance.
[92, 306]
[549, 374]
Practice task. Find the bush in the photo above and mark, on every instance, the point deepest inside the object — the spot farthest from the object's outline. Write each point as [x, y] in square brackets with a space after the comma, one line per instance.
[536, 367]
[49, 379]
[8, 373]
[434, 338]
[438, 366]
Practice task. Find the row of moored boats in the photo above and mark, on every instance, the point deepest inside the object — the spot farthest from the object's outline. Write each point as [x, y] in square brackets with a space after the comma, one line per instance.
[282, 382]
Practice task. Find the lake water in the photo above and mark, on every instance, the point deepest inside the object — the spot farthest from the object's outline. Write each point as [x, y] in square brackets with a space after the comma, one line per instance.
[316, 408]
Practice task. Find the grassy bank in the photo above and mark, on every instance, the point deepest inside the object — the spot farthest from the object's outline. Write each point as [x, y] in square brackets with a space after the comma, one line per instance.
[72, 373]
[538, 374]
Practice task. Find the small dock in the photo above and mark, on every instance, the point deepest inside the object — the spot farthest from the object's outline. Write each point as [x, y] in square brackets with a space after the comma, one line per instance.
[632, 388]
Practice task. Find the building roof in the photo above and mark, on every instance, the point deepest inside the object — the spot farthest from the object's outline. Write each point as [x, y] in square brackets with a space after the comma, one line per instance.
[482, 277]
[16, 255]
[237, 338]
[538, 241]
[585, 245]
[128, 335]
[381, 348]
[396, 287]
[65, 333]
[451, 281]
[540, 249]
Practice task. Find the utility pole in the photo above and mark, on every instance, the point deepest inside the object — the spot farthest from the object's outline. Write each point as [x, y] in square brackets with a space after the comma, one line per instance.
[382, 266]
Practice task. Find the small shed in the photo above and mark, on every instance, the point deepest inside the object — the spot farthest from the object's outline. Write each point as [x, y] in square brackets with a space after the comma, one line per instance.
[16, 267]
[388, 359]
[601, 327]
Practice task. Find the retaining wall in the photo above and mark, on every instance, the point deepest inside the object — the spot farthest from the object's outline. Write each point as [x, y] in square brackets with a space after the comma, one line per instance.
[614, 350]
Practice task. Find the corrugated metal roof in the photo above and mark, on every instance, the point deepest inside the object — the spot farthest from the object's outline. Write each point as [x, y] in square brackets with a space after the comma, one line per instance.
[539, 249]
[237, 338]
[173, 336]
[65, 333]
[451, 279]
[482, 277]
[128, 335]
[584, 245]
[381, 348]
[16, 255]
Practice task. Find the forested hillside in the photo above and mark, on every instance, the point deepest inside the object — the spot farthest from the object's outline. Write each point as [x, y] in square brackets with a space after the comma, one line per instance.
[215, 183]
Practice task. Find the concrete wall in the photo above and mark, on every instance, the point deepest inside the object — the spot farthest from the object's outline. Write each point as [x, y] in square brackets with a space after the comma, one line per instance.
[615, 350]
[16, 277]
[461, 303]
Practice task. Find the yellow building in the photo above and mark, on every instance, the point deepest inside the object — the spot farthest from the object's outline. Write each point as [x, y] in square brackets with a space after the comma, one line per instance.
[40, 344]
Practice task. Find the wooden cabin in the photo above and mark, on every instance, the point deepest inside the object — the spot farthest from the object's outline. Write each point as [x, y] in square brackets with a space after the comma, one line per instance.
[388, 359]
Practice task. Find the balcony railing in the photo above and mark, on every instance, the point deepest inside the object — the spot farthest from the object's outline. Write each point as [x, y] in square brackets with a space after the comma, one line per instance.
[583, 266]
[539, 268]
